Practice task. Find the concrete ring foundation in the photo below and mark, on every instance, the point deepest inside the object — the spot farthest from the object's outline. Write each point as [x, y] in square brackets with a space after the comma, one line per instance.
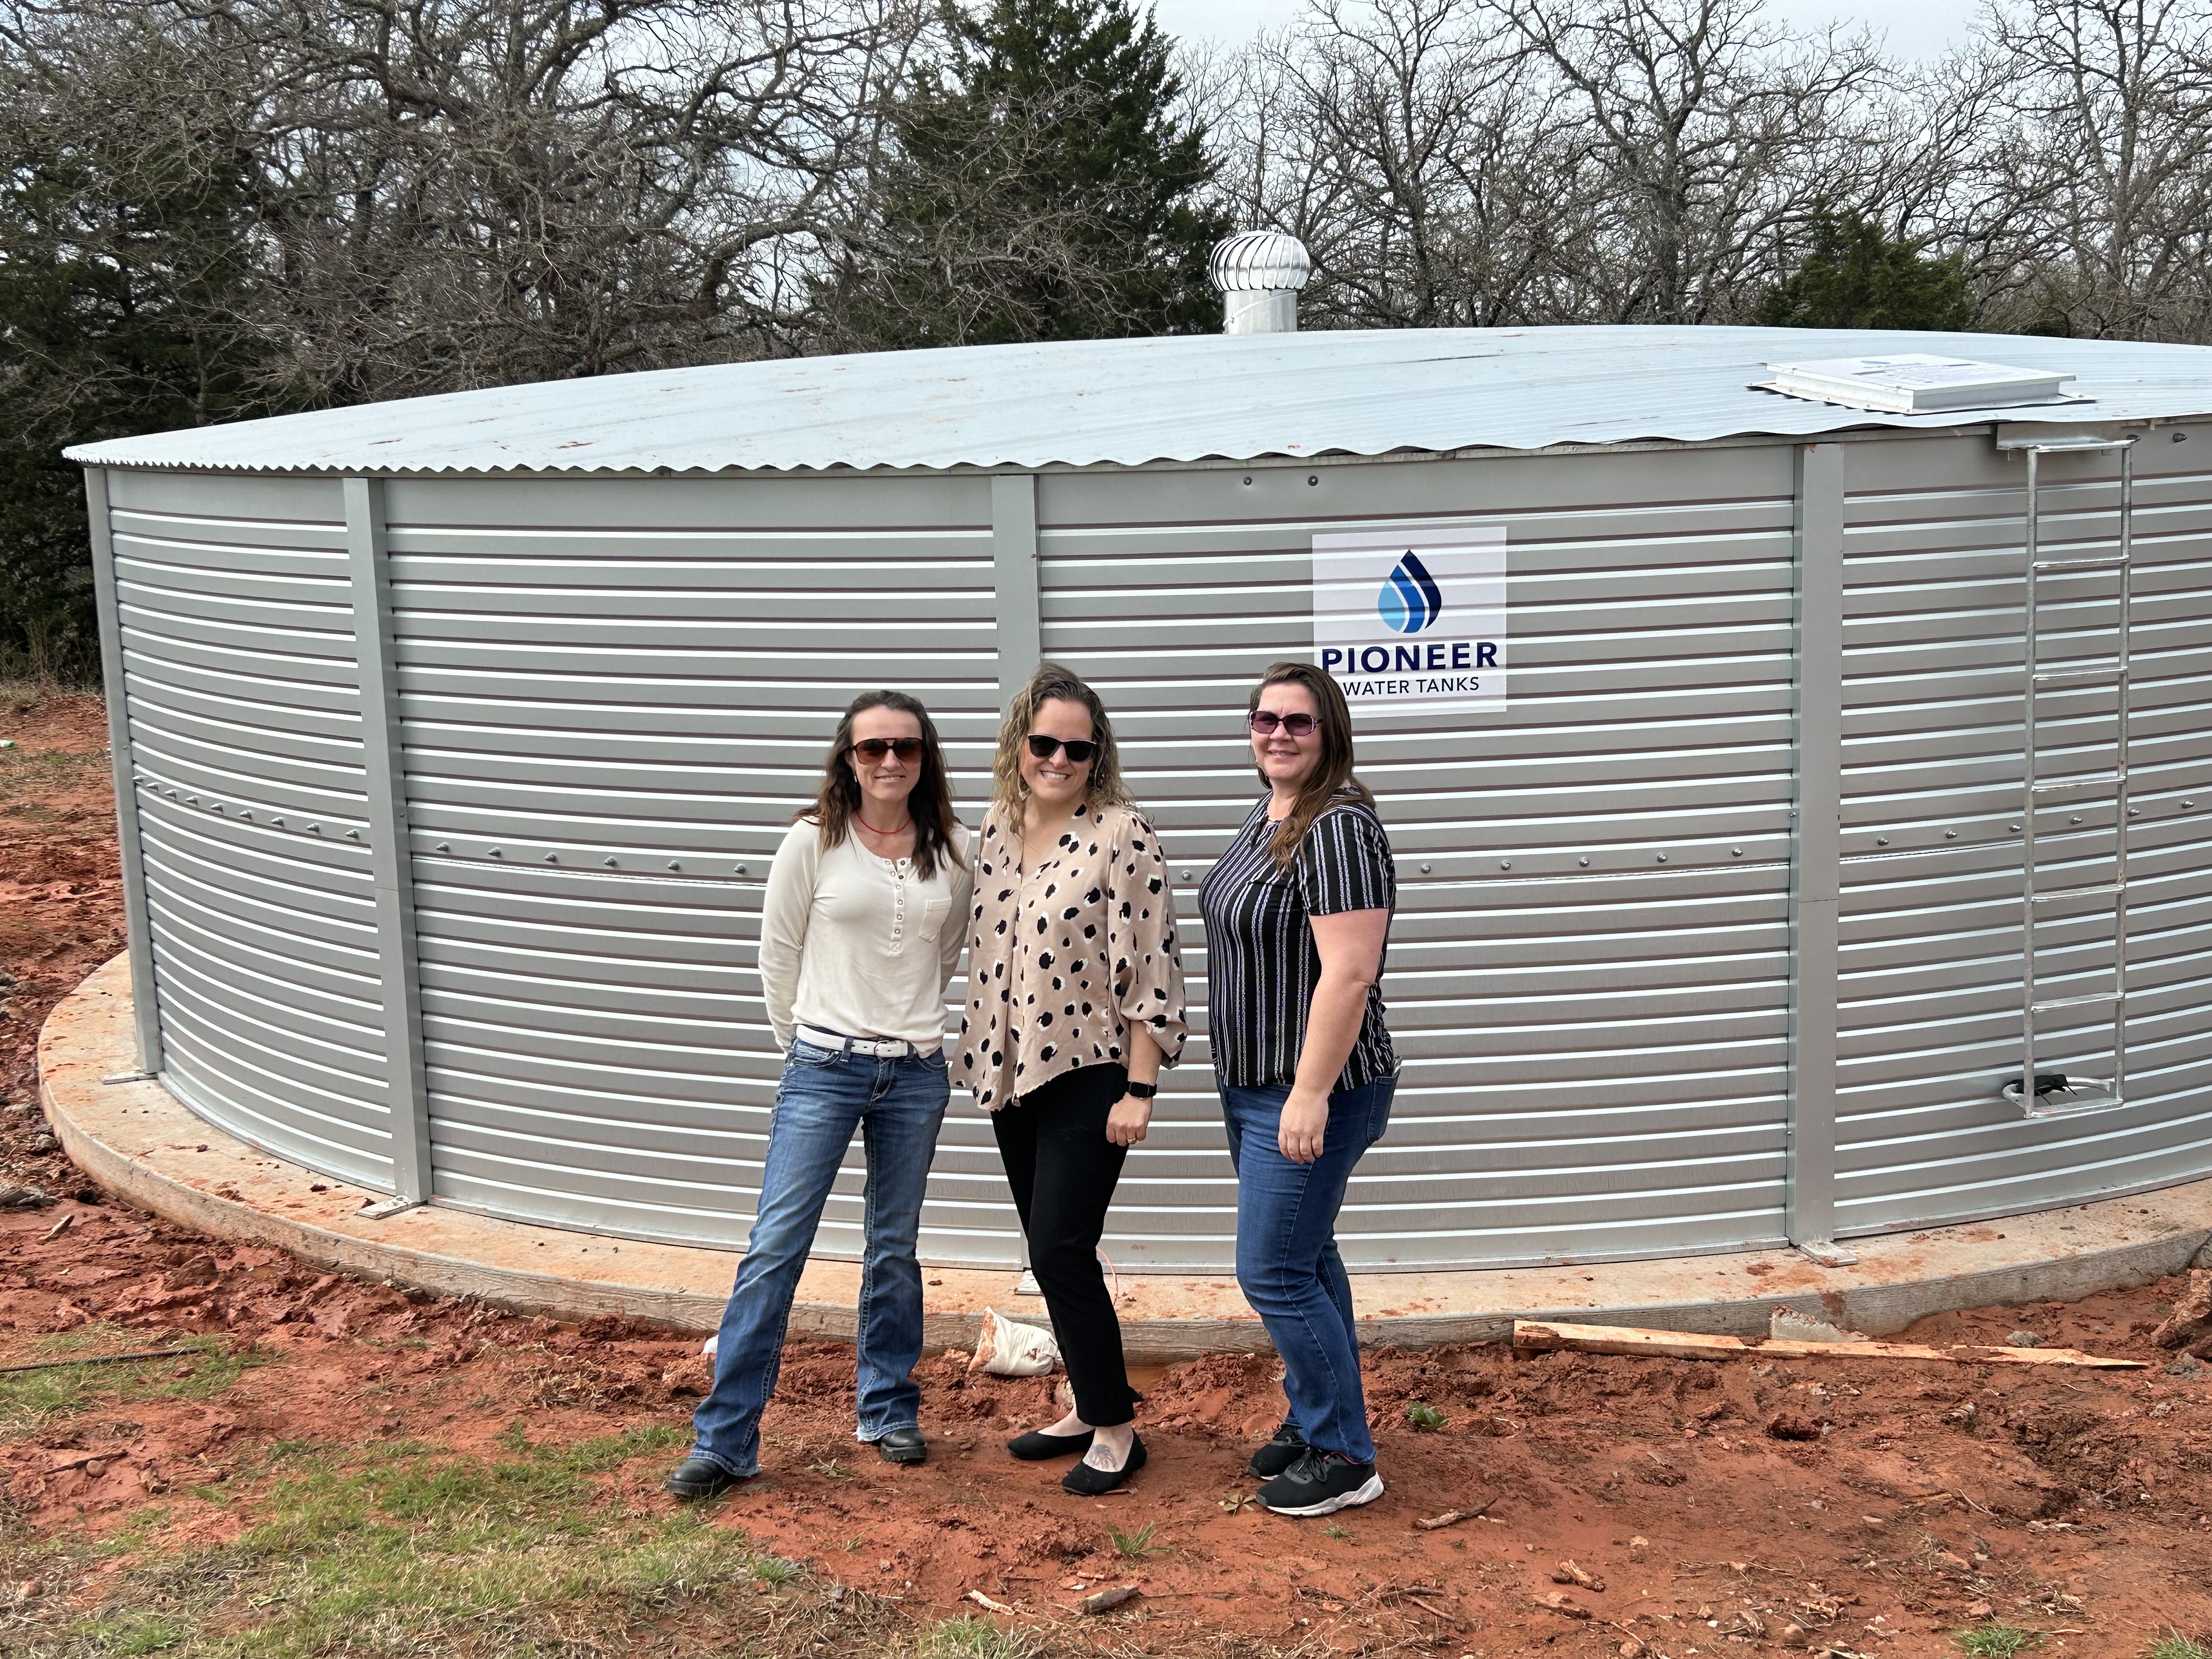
[137, 1142]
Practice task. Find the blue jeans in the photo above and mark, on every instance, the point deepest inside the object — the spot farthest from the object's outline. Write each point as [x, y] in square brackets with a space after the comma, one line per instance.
[898, 1105]
[1286, 1256]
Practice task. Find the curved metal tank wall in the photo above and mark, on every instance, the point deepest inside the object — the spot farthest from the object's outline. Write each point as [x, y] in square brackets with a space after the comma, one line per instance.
[612, 694]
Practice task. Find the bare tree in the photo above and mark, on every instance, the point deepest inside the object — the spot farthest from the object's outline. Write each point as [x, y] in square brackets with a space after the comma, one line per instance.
[2089, 200]
[453, 192]
[1716, 132]
[1422, 155]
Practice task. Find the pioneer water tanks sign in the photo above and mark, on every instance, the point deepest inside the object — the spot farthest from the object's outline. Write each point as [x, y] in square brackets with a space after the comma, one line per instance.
[1413, 618]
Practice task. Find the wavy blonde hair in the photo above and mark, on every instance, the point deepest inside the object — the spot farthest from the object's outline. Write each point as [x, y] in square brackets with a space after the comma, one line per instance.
[1051, 683]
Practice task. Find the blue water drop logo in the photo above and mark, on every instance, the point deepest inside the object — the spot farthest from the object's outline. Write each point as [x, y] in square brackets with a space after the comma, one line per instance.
[1409, 601]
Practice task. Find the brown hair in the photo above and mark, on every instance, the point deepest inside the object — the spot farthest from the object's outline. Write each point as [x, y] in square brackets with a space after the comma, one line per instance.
[1053, 684]
[1332, 779]
[930, 805]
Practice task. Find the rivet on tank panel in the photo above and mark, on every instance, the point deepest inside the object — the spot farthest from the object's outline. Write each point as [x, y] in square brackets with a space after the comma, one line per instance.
[1503, 863]
[1313, 479]
[314, 829]
[276, 824]
[2135, 811]
[1881, 840]
[1424, 869]
[673, 865]
[443, 847]
[1735, 852]
[1950, 834]
[2014, 828]
[741, 870]
[552, 858]
[491, 851]
[2076, 818]
[1663, 858]
[2188, 803]
[353, 835]
[1186, 874]
[1583, 860]
[609, 863]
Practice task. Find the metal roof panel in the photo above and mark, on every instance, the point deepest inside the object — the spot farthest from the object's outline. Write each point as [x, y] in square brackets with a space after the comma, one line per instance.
[1184, 399]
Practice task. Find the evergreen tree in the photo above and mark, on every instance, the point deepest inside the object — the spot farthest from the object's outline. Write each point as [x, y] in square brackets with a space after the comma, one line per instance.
[1043, 186]
[1856, 276]
[123, 261]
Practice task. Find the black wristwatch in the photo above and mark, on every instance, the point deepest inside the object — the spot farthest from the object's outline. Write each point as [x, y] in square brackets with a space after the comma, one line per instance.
[1143, 1090]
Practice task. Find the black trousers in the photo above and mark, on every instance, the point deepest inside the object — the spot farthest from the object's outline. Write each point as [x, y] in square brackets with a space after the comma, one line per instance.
[1063, 1171]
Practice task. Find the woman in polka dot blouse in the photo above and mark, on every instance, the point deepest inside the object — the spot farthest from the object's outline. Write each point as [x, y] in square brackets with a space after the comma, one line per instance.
[1075, 1002]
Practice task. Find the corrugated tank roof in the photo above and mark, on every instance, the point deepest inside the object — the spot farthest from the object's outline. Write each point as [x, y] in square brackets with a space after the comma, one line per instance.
[1127, 401]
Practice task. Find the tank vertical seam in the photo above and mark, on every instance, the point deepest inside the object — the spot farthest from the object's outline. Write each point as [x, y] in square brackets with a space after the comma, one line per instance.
[1815, 862]
[399, 980]
[115, 674]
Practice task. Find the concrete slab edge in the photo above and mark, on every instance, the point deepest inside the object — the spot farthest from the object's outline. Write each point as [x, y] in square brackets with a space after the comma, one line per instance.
[224, 1186]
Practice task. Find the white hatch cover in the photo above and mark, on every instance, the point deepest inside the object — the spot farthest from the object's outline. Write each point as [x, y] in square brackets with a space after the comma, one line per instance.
[1917, 383]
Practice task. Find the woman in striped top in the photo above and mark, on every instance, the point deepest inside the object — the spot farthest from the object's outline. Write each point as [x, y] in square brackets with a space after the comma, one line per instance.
[1296, 913]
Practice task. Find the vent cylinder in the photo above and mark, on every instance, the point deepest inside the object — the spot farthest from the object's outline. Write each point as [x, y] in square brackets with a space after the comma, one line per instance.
[1260, 273]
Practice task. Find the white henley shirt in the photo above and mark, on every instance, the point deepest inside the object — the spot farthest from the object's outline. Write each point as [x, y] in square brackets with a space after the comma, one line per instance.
[860, 945]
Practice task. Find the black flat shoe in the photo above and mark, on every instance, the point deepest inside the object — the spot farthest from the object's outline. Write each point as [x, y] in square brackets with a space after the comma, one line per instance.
[1035, 1448]
[701, 1477]
[1087, 1482]
[902, 1446]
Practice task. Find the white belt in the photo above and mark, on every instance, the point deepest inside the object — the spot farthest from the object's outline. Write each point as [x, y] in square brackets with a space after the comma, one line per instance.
[837, 1042]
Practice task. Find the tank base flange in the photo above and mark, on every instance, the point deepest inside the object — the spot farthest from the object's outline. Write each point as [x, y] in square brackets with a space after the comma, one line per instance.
[140, 1143]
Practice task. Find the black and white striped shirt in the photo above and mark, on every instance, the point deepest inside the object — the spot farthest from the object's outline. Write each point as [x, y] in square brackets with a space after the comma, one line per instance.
[1261, 964]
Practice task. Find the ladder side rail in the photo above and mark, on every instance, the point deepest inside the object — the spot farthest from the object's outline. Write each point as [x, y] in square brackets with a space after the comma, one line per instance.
[2126, 621]
[2027, 798]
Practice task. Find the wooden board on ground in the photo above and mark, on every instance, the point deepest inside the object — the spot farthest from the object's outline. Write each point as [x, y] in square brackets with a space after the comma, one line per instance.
[1544, 1335]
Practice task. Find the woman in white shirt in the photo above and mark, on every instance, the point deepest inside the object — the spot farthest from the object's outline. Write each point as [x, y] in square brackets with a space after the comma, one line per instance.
[860, 931]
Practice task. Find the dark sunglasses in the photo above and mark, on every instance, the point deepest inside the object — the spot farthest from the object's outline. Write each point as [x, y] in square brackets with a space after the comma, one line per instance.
[874, 749]
[1265, 720]
[1079, 750]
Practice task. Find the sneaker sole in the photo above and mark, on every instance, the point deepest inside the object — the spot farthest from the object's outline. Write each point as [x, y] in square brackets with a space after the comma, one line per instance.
[1366, 1494]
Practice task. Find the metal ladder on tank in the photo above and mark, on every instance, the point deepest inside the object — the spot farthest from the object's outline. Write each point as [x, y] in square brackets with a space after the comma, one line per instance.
[2045, 1095]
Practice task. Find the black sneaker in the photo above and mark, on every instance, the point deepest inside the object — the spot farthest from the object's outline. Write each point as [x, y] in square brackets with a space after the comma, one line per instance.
[1321, 1483]
[1279, 1453]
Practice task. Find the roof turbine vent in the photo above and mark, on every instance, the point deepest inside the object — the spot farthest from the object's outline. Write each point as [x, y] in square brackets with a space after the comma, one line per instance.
[1260, 273]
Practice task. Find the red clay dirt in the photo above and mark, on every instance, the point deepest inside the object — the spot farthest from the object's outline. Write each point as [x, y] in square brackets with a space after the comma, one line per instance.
[1851, 1506]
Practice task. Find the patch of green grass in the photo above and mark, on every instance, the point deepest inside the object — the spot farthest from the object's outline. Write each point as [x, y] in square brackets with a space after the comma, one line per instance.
[1137, 1544]
[1333, 1530]
[1995, 1641]
[774, 1570]
[972, 1638]
[30, 1401]
[418, 1551]
[2174, 1645]
[1425, 1417]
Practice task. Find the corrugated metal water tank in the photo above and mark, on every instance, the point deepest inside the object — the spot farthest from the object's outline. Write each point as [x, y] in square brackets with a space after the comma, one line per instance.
[456, 735]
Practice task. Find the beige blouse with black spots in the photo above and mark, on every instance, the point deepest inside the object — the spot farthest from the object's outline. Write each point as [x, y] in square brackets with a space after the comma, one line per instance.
[1064, 959]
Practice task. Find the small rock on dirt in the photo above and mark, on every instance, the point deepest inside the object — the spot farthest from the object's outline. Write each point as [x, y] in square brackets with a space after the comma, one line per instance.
[1557, 1602]
[2023, 1339]
[25, 1198]
[1793, 1425]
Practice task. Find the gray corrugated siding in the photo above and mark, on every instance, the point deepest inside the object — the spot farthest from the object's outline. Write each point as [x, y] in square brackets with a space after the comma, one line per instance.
[239, 661]
[649, 671]
[1930, 993]
[1594, 1058]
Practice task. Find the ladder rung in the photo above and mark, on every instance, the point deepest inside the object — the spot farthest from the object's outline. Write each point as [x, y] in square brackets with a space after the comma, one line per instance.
[2101, 562]
[2100, 781]
[2077, 1002]
[2073, 892]
[2066, 446]
[2112, 674]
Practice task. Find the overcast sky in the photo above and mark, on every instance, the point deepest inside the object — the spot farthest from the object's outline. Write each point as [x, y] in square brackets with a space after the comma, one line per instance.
[1914, 28]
